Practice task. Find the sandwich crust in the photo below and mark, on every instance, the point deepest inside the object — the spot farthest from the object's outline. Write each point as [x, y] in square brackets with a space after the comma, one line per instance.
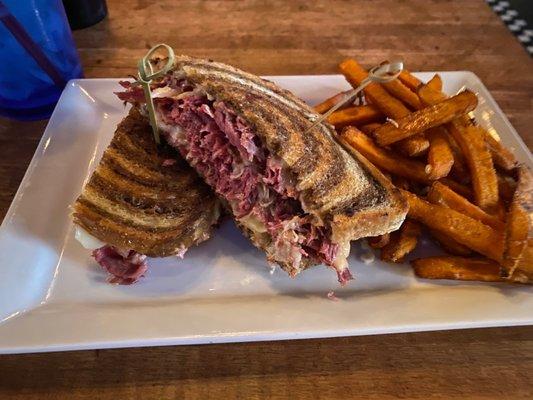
[145, 198]
[339, 188]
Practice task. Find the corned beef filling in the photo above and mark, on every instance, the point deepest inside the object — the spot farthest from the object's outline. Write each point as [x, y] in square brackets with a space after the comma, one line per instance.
[223, 148]
[125, 267]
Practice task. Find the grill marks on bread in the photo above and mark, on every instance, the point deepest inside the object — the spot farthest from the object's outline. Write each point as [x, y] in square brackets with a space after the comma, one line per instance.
[326, 175]
[132, 201]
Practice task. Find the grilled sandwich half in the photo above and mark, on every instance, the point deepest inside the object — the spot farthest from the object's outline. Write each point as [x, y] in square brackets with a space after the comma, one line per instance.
[294, 191]
[142, 200]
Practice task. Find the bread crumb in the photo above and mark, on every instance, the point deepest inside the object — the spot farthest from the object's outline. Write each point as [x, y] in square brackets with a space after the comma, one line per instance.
[272, 268]
[181, 252]
[331, 296]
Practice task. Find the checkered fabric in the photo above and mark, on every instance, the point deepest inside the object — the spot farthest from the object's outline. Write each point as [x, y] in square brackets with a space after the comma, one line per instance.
[516, 25]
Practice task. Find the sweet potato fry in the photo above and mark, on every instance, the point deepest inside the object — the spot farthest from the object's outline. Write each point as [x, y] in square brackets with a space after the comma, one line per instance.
[402, 242]
[435, 83]
[440, 156]
[484, 180]
[464, 229]
[384, 159]
[457, 187]
[413, 146]
[459, 169]
[330, 102]
[401, 182]
[377, 242]
[502, 157]
[355, 115]
[378, 96]
[501, 211]
[429, 117]
[403, 93]
[519, 229]
[442, 194]
[390, 162]
[471, 141]
[449, 244]
[409, 80]
[457, 268]
[369, 128]
[506, 187]
[430, 95]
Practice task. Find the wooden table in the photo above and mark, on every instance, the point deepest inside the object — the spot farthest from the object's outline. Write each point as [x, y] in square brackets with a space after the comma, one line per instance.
[293, 37]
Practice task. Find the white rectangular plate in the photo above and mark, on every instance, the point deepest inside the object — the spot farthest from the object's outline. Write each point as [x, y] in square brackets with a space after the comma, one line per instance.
[53, 296]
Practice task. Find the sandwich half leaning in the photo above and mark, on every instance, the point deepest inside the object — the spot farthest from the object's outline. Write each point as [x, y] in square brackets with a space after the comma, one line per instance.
[142, 200]
[294, 191]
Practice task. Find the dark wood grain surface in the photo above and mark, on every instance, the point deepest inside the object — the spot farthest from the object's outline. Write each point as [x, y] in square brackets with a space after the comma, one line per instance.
[293, 37]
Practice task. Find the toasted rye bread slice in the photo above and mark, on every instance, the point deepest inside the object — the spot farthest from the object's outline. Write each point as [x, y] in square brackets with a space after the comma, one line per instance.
[340, 189]
[134, 201]
[389, 212]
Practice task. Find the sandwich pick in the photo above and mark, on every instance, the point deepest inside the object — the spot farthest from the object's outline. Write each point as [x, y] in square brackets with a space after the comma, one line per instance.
[382, 73]
[146, 75]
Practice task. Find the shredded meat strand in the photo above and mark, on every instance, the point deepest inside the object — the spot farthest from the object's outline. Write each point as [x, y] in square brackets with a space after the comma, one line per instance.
[125, 267]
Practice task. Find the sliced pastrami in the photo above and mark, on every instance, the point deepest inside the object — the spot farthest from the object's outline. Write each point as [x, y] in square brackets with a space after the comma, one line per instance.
[125, 267]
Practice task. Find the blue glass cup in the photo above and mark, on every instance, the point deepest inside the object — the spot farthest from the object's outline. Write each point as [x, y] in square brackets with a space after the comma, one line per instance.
[37, 57]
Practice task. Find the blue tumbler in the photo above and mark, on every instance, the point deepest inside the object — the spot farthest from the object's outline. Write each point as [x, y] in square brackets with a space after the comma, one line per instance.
[37, 57]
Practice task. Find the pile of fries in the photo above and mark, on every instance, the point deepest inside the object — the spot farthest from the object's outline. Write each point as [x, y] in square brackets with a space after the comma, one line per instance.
[461, 184]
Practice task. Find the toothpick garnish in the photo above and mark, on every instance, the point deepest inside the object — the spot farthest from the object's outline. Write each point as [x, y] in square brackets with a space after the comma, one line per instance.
[384, 72]
[147, 74]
